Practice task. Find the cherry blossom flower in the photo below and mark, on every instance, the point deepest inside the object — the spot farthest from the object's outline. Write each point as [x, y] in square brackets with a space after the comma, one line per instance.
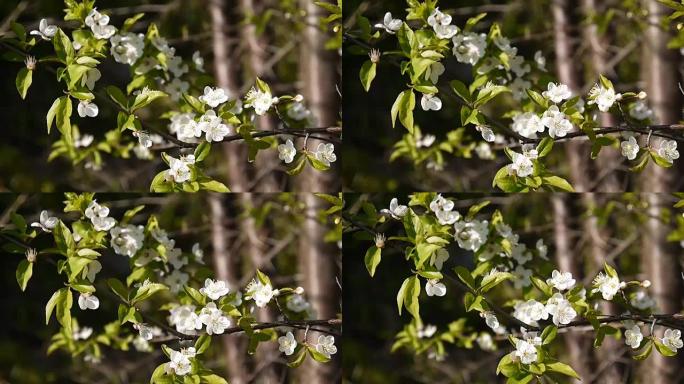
[98, 216]
[179, 170]
[389, 24]
[198, 61]
[525, 351]
[213, 97]
[491, 320]
[469, 47]
[448, 217]
[325, 153]
[430, 102]
[216, 323]
[260, 100]
[326, 345]
[560, 309]
[540, 60]
[427, 331]
[434, 71]
[527, 125]
[518, 65]
[640, 110]
[82, 333]
[395, 210]
[287, 344]
[673, 339]
[438, 258]
[287, 151]
[298, 111]
[519, 88]
[87, 108]
[45, 31]
[127, 240]
[607, 285]
[127, 48]
[561, 281]
[557, 92]
[214, 289]
[641, 300]
[484, 151]
[425, 141]
[90, 77]
[440, 23]
[198, 253]
[260, 293]
[555, 120]
[603, 97]
[179, 363]
[522, 163]
[297, 303]
[633, 336]
[485, 342]
[668, 150]
[176, 66]
[175, 88]
[88, 301]
[98, 24]
[471, 235]
[521, 277]
[184, 318]
[630, 148]
[434, 287]
[176, 280]
[46, 222]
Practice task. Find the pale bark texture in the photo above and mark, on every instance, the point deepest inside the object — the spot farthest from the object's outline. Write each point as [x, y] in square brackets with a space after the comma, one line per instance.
[265, 180]
[567, 74]
[609, 159]
[225, 268]
[659, 262]
[576, 344]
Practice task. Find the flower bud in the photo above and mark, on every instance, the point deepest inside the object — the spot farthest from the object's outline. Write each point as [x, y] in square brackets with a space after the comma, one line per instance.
[31, 255]
[380, 240]
[646, 283]
[276, 292]
[299, 98]
[30, 63]
[374, 55]
[642, 95]
[299, 290]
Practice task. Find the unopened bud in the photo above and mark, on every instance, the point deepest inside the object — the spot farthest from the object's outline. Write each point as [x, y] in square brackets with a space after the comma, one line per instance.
[299, 98]
[380, 240]
[299, 290]
[31, 255]
[276, 292]
[374, 55]
[30, 63]
[642, 95]
[646, 283]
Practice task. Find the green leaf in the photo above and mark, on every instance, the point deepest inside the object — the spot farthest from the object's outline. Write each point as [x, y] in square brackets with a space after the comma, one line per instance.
[76, 72]
[129, 22]
[461, 90]
[465, 276]
[63, 306]
[472, 302]
[145, 98]
[403, 109]
[544, 147]
[321, 358]
[549, 334]
[367, 74]
[202, 343]
[411, 297]
[300, 356]
[558, 182]
[215, 186]
[645, 352]
[63, 47]
[563, 369]
[663, 349]
[118, 97]
[212, 379]
[263, 278]
[610, 270]
[491, 281]
[119, 288]
[195, 295]
[541, 285]
[51, 113]
[24, 272]
[146, 291]
[659, 160]
[538, 98]
[372, 259]
[49, 307]
[401, 293]
[202, 151]
[23, 81]
[605, 82]
[63, 239]
[63, 115]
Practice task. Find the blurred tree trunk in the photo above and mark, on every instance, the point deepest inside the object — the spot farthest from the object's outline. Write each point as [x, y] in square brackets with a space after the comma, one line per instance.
[256, 56]
[609, 159]
[568, 75]
[660, 265]
[318, 67]
[225, 268]
[225, 74]
[576, 344]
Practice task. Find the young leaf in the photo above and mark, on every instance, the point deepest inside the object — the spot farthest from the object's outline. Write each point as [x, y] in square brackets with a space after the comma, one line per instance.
[23, 81]
[372, 259]
[24, 272]
[367, 74]
[563, 369]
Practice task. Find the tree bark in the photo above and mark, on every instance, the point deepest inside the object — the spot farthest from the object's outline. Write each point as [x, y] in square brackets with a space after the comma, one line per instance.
[608, 159]
[225, 268]
[256, 56]
[577, 345]
[567, 74]
[225, 73]
[659, 70]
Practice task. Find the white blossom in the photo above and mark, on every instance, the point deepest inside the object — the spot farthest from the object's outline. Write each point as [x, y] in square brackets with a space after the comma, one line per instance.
[530, 311]
[298, 111]
[127, 240]
[542, 249]
[184, 318]
[434, 287]
[175, 88]
[176, 66]
[185, 127]
[630, 148]
[198, 61]
[430, 102]
[673, 339]
[434, 71]
[45, 222]
[641, 300]
[607, 285]
[640, 111]
[98, 216]
[438, 258]
[555, 120]
[604, 98]
[633, 337]
[441, 24]
[88, 301]
[425, 141]
[471, 235]
[485, 341]
[522, 164]
[527, 125]
[557, 92]
[560, 309]
[525, 351]
[448, 217]
[98, 24]
[213, 126]
[213, 97]
[521, 277]
[90, 77]
[82, 333]
[127, 48]
[325, 153]
[389, 24]
[540, 60]
[326, 345]
[668, 150]
[87, 108]
[92, 270]
[519, 88]
[469, 47]
[179, 170]
[216, 323]
[518, 65]
[260, 293]
[491, 320]
[484, 151]
[214, 289]
[427, 331]
[260, 100]
[287, 151]
[395, 210]
[176, 280]
[180, 363]
[297, 303]
[287, 344]
[45, 31]
[562, 281]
